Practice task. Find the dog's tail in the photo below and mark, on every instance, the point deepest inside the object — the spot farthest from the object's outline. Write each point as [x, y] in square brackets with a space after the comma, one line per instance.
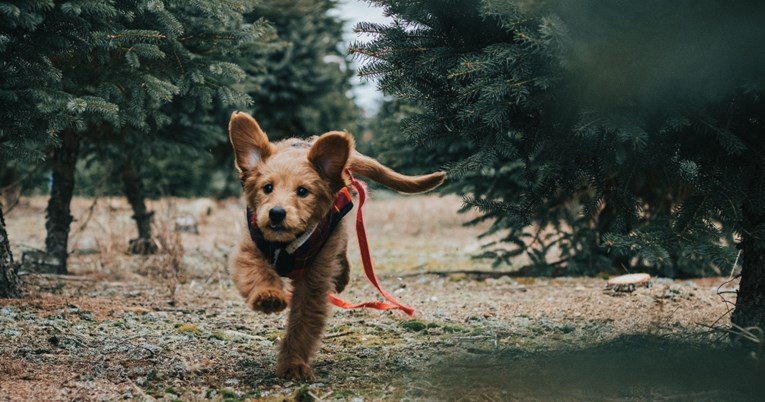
[374, 170]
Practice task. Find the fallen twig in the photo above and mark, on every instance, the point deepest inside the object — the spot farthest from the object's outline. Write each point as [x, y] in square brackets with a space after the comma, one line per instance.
[57, 276]
[320, 398]
[337, 335]
[479, 275]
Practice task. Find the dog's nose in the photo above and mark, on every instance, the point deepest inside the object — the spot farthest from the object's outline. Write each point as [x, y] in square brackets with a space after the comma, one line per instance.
[277, 215]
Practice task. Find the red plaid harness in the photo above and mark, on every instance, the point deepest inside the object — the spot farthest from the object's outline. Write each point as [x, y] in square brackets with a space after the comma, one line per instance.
[292, 259]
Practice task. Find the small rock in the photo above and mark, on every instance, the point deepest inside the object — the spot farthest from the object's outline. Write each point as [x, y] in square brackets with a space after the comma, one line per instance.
[523, 322]
[363, 351]
[8, 311]
[87, 245]
[186, 224]
[153, 349]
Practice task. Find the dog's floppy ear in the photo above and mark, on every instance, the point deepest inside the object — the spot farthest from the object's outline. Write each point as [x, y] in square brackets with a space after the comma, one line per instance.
[249, 141]
[330, 153]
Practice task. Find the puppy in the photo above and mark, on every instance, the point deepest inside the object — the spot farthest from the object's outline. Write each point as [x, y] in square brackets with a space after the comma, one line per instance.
[297, 192]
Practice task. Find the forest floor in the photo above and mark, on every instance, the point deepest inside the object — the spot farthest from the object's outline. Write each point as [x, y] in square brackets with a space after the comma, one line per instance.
[172, 327]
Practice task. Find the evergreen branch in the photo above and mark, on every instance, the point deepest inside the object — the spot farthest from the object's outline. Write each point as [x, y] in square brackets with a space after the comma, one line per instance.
[729, 141]
[588, 127]
[133, 35]
[211, 37]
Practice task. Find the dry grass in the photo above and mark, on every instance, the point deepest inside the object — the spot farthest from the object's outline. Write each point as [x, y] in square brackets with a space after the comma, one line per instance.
[171, 326]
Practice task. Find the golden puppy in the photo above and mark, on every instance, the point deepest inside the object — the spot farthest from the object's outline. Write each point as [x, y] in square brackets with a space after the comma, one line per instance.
[297, 192]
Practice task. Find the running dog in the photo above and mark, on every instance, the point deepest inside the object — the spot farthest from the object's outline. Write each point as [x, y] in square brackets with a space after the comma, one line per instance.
[297, 192]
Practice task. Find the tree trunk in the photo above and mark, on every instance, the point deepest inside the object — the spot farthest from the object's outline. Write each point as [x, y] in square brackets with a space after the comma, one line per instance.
[750, 304]
[136, 196]
[9, 282]
[58, 215]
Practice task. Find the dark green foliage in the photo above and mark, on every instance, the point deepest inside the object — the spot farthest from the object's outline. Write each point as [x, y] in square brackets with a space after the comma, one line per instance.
[298, 83]
[480, 82]
[29, 79]
[182, 82]
[114, 81]
[292, 72]
[166, 171]
[155, 81]
[303, 88]
[140, 92]
[394, 147]
[123, 74]
[595, 136]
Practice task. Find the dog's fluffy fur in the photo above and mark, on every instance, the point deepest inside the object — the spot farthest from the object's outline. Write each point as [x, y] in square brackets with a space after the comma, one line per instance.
[302, 179]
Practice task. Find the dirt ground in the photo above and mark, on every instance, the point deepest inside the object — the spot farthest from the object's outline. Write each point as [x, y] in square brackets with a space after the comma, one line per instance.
[172, 327]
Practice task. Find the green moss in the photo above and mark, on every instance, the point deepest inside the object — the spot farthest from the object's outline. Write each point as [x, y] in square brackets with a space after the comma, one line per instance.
[229, 395]
[303, 395]
[414, 325]
[452, 328]
[344, 394]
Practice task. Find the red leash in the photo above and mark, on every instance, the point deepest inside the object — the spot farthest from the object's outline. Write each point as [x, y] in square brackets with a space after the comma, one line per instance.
[369, 269]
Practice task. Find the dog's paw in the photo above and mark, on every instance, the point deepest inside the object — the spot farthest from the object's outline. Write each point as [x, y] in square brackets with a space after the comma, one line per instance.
[267, 300]
[295, 371]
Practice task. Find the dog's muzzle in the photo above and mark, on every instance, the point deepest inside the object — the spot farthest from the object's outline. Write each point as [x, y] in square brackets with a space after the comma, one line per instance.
[276, 216]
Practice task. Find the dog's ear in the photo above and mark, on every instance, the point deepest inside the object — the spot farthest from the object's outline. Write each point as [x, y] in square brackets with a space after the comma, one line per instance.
[330, 153]
[250, 143]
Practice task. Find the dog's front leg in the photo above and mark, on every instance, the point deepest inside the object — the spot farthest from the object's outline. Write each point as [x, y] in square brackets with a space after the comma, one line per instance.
[309, 309]
[344, 276]
[257, 281]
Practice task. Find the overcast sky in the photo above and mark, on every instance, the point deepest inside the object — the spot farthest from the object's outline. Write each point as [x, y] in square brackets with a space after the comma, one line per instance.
[354, 11]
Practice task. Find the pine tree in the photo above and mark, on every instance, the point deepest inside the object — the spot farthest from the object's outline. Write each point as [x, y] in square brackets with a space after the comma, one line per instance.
[28, 78]
[209, 37]
[394, 147]
[111, 76]
[296, 77]
[302, 87]
[619, 132]
[297, 80]
[457, 65]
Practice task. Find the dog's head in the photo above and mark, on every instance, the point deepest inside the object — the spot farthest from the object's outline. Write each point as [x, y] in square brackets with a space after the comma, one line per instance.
[289, 185]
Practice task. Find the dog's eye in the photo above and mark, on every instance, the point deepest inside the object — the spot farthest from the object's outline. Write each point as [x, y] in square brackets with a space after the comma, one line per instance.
[302, 192]
[268, 188]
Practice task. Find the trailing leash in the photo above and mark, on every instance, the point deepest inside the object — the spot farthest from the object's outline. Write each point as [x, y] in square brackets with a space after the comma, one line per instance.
[366, 259]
